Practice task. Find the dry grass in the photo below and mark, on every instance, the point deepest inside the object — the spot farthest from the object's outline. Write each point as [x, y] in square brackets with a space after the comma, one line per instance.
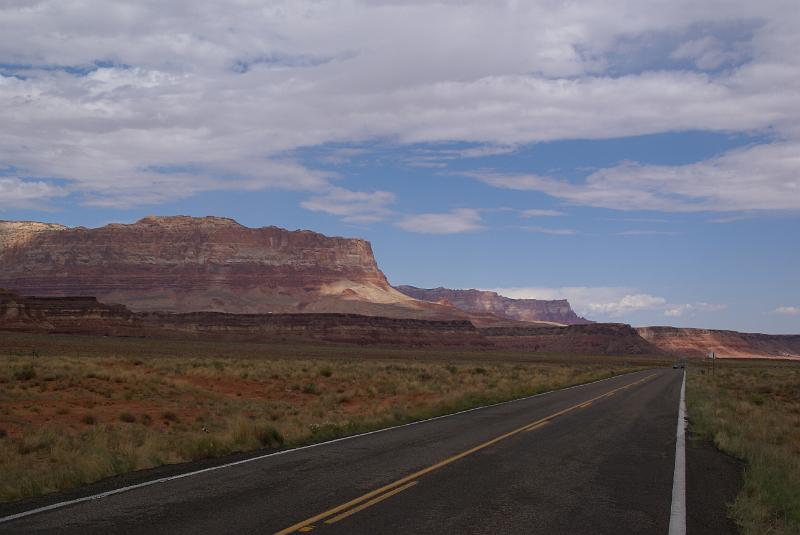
[67, 420]
[752, 411]
[28, 344]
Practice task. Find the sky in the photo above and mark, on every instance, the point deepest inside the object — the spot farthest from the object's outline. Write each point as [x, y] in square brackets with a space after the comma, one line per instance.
[641, 159]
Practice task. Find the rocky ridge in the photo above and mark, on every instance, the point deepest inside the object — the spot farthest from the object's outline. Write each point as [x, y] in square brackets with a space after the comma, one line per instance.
[188, 264]
[64, 314]
[86, 315]
[13, 233]
[584, 339]
[486, 302]
[726, 344]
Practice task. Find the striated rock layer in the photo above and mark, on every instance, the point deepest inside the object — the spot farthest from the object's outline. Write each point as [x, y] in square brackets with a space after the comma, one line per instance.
[14, 233]
[186, 264]
[726, 344]
[585, 339]
[484, 302]
[64, 314]
[85, 315]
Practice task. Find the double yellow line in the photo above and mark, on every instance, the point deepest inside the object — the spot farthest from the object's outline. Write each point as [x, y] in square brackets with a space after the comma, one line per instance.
[335, 514]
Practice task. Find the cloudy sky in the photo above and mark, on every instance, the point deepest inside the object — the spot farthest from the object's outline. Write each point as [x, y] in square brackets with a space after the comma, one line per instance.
[641, 159]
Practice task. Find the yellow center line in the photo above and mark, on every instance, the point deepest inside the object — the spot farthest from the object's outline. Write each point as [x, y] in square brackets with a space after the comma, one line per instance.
[373, 501]
[536, 426]
[411, 477]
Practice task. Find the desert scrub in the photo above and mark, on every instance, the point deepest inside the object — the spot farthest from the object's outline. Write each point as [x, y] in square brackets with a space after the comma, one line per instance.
[752, 411]
[25, 372]
[97, 416]
[127, 417]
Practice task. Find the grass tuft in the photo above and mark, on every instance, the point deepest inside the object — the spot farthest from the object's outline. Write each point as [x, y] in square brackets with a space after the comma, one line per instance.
[25, 373]
[752, 411]
[127, 417]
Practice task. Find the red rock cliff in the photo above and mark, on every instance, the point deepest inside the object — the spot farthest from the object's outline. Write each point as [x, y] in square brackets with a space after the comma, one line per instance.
[726, 344]
[184, 264]
[483, 302]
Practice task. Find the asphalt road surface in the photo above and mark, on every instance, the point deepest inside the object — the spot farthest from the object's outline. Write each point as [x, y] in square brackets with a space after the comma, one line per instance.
[597, 458]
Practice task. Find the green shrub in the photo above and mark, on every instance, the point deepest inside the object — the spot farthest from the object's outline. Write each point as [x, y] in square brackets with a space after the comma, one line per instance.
[268, 436]
[310, 388]
[25, 373]
[203, 447]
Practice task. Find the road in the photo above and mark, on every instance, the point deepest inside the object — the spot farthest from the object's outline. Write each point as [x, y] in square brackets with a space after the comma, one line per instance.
[597, 458]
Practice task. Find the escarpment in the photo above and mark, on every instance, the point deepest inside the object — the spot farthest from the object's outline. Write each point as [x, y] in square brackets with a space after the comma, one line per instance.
[725, 344]
[486, 302]
[187, 264]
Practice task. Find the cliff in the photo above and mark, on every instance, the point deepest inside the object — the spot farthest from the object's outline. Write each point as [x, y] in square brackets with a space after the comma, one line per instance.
[85, 315]
[17, 232]
[584, 339]
[187, 264]
[484, 302]
[726, 344]
[65, 314]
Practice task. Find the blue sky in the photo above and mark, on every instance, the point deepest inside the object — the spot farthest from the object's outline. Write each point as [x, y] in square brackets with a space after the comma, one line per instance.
[641, 161]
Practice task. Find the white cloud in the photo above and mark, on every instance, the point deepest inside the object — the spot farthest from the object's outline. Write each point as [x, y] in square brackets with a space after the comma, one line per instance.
[787, 311]
[709, 52]
[675, 311]
[638, 219]
[602, 301]
[343, 155]
[352, 206]
[18, 193]
[627, 304]
[646, 232]
[221, 91]
[540, 212]
[438, 157]
[484, 151]
[453, 222]
[761, 177]
[729, 219]
[552, 231]
[609, 302]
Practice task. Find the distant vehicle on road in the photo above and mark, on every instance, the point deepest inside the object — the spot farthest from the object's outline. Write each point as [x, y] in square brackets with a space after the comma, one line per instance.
[679, 364]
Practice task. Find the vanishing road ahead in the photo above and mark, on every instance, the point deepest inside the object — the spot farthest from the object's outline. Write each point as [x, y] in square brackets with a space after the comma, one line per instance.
[597, 458]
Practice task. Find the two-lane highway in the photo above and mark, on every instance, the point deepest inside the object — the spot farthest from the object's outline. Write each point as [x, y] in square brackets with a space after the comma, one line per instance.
[597, 458]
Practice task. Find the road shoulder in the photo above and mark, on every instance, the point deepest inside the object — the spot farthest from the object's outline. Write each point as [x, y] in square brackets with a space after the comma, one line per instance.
[713, 479]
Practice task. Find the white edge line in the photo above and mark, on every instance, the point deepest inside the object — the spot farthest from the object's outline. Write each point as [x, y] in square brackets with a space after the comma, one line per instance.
[677, 514]
[120, 490]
